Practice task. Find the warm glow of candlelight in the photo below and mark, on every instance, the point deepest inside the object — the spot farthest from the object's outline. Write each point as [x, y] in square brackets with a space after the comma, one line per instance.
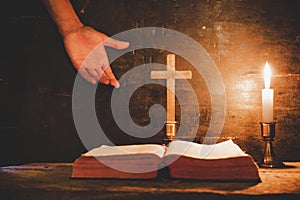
[267, 76]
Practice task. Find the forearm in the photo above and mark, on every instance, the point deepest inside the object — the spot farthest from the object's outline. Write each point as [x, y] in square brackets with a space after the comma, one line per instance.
[64, 16]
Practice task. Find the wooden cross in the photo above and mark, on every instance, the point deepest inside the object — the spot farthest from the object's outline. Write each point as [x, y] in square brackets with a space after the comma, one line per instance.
[170, 75]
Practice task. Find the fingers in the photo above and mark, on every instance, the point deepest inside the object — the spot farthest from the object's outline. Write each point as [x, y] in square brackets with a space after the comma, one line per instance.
[96, 66]
[87, 76]
[95, 73]
[117, 44]
[111, 77]
[108, 77]
[105, 77]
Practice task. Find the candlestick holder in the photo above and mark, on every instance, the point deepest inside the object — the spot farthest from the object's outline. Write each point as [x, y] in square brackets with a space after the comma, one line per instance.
[268, 133]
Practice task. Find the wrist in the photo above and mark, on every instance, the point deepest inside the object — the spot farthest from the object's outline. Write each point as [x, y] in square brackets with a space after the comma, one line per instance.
[68, 26]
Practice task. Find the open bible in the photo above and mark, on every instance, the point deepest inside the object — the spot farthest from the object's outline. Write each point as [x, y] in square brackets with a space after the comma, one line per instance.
[185, 160]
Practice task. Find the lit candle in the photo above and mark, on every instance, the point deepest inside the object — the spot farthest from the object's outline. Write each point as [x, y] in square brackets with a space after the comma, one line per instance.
[267, 96]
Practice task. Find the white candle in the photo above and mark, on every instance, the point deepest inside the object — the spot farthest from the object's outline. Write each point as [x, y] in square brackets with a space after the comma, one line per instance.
[267, 96]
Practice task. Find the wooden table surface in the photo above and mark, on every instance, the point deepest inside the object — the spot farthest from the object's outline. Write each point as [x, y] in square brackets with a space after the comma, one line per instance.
[52, 181]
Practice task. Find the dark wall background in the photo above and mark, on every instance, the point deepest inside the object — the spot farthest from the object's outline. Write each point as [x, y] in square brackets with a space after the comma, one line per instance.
[36, 76]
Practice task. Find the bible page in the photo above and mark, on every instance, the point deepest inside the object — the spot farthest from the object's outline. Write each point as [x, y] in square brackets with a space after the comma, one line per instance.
[225, 149]
[105, 150]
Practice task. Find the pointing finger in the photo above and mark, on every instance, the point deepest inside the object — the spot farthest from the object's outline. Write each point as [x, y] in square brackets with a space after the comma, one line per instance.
[110, 75]
[104, 79]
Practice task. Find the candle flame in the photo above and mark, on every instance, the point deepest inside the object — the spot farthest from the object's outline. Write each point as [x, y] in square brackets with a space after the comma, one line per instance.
[267, 75]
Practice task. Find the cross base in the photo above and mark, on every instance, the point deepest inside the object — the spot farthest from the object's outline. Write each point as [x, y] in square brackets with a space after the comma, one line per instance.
[171, 128]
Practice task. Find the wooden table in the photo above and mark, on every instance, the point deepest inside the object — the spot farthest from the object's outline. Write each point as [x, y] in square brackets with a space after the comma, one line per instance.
[52, 181]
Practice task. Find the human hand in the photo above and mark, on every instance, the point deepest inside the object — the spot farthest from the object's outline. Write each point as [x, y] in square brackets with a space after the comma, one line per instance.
[91, 62]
